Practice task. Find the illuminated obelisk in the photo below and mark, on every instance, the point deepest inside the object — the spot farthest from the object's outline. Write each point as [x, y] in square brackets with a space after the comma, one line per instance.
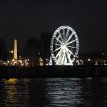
[15, 51]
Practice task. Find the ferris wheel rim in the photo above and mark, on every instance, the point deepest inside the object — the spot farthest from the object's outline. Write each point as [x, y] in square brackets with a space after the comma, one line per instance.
[54, 37]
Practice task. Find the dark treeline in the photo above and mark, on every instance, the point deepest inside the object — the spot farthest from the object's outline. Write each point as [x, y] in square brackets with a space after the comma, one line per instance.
[45, 41]
[33, 49]
[94, 54]
[3, 50]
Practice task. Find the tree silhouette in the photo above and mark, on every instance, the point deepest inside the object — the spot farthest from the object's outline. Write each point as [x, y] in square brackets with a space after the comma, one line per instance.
[32, 49]
[3, 50]
[46, 40]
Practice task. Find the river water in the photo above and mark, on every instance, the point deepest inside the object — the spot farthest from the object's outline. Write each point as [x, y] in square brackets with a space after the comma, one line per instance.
[54, 92]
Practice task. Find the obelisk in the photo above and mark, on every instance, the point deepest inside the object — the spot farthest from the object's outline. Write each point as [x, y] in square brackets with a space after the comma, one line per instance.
[15, 51]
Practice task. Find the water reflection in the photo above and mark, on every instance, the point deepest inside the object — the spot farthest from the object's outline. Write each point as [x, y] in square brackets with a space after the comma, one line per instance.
[64, 92]
[76, 92]
[37, 93]
[11, 81]
[22, 93]
[16, 94]
[54, 92]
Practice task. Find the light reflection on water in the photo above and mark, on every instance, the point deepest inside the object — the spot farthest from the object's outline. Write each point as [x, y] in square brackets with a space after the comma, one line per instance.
[14, 93]
[65, 93]
[54, 92]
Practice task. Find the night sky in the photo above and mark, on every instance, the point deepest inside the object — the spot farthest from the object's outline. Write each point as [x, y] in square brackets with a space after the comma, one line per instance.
[21, 19]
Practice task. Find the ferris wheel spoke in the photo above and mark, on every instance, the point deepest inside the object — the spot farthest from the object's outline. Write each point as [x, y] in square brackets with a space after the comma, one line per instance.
[70, 46]
[57, 62]
[57, 49]
[59, 36]
[63, 58]
[69, 37]
[63, 33]
[71, 53]
[67, 33]
[58, 54]
[71, 42]
[56, 44]
[58, 40]
[68, 56]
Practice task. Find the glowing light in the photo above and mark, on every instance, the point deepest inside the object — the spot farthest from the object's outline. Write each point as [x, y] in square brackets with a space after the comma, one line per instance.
[64, 46]
[78, 62]
[50, 61]
[12, 60]
[11, 51]
[8, 61]
[89, 60]
[96, 63]
[41, 61]
[11, 81]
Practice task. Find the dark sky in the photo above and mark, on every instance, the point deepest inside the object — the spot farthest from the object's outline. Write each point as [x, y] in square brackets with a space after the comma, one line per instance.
[24, 18]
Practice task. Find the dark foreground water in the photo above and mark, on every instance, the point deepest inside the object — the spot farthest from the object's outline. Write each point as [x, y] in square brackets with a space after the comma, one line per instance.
[54, 92]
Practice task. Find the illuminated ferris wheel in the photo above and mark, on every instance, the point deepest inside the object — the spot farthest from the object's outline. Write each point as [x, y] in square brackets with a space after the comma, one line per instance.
[64, 46]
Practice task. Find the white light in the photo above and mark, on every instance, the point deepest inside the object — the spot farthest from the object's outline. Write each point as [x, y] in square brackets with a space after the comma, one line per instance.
[11, 51]
[8, 61]
[64, 45]
[12, 60]
[89, 60]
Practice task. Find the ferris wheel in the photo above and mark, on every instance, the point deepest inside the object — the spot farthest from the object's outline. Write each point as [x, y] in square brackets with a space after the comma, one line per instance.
[64, 46]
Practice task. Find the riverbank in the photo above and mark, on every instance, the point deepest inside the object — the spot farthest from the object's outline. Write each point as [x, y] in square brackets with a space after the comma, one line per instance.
[52, 71]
